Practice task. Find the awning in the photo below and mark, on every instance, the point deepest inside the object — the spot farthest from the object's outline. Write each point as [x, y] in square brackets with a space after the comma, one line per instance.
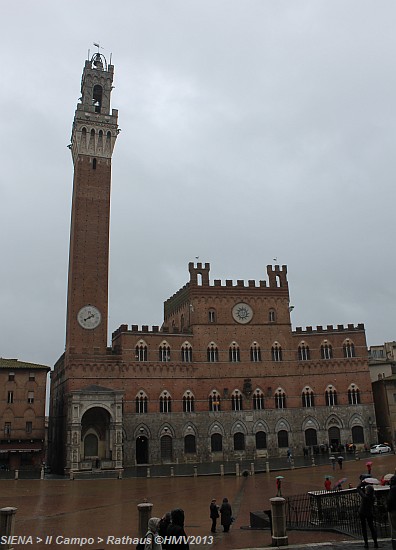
[21, 447]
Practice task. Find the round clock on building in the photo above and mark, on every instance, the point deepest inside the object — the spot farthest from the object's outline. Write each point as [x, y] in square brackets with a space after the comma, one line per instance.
[89, 317]
[242, 313]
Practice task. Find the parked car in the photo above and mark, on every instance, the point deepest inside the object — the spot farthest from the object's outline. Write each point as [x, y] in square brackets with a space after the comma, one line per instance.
[379, 449]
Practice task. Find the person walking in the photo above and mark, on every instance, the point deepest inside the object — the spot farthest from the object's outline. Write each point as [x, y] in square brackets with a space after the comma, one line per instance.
[391, 507]
[339, 460]
[176, 530]
[214, 514]
[151, 543]
[327, 484]
[366, 512]
[226, 515]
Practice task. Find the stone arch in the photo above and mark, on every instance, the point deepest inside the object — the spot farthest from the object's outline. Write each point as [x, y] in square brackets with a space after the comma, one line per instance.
[95, 432]
[216, 427]
[189, 429]
[310, 422]
[238, 426]
[166, 429]
[335, 421]
[261, 426]
[356, 420]
[282, 424]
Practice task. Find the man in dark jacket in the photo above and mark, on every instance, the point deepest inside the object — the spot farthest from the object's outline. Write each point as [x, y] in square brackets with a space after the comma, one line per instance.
[366, 512]
[214, 514]
[176, 531]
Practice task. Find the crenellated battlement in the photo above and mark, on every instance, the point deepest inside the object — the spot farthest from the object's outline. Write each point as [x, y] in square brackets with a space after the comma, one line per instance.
[146, 329]
[329, 328]
[198, 272]
[277, 276]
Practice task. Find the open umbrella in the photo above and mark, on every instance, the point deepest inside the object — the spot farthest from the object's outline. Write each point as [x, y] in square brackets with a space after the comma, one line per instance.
[340, 458]
[388, 477]
[280, 477]
[369, 463]
[341, 481]
[328, 476]
[331, 457]
[372, 481]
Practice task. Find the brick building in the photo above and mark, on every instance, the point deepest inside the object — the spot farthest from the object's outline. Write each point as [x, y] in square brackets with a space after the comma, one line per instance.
[223, 377]
[22, 410]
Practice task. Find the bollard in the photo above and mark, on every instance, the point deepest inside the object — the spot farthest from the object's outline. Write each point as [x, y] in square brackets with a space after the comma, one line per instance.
[172, 471]
[42, 473]
[195, 471]
[16, 475]
[71, 475]
[237, 469]
[7, 524]
[278, 514]
[292, 463]
[144, 515]
[221, 469]
[148, 472]
[119, 474]
[252, 468]
[313, 461]
[267, 467]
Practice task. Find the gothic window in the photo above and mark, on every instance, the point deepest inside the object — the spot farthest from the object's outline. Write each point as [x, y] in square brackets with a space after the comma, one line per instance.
[311, 437]
[190, 446]
[353, 395]
[255, 353]
[261, 440]
[326, 351]
[30, 398]
[283, 439]
[186, 353]
[280, 399]
[331, 396]
[234, 353]
[239, 441]
[349, 349]
[141, 403]
[165, 403]
[258, 400]
[164, 353]
[188, 402]
[216, 443]
[276, 352]
[141, 352]
[303, 352]
[212, 353]
[10, 397]
[29, 427]
[272, 316]
[182, 323]
[97, 98]
[214, 402]
[357, 434]
[236, 401]
[212, 315]
[7, 428]
[307, 397]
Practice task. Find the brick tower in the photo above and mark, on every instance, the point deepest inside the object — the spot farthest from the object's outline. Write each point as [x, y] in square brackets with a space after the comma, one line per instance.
[93, 137]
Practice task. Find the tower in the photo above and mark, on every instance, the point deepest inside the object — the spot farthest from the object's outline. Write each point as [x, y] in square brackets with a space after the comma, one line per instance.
[93, 137]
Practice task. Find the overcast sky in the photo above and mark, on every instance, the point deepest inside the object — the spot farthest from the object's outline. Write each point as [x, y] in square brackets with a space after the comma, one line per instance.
[251, 130]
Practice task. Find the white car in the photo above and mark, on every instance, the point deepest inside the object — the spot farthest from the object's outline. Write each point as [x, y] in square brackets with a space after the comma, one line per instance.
[379, 449]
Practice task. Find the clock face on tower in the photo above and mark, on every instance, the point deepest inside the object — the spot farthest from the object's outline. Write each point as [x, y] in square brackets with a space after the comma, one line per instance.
[242, 313]
[89, 317]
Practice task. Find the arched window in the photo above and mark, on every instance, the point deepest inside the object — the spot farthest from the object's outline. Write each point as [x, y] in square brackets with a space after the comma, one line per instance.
[276, 352]
[188, 402]
[239, 441]
[349, 349]
[283, 439]
[97, 98]
[216, 443]
[186, 353]
[326, 351]
[255, 353]
[303, 352]
[164, 352]
[353, 395]
[212, 315]
[212, 353]
[94, 164]
[182, 323]
[214, 402]
[261, 440]
[236, 401]
[331, 396]
[272, 316]
[258, 400]
[311, 437]
[280, 399]
[357, 434]
[141, 403]
[234, 353]
[165, 403]
[141, 352]
[190, 446]
[307, 397]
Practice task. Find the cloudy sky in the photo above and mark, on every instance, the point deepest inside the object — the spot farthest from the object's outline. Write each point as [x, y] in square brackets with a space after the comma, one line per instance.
[251, 130]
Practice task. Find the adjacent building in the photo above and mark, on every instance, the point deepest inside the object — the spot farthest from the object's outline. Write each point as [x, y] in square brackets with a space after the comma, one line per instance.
[22, 410]
[223, 377]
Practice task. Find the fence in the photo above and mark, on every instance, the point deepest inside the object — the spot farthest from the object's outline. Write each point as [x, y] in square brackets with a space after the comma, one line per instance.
[334, 510]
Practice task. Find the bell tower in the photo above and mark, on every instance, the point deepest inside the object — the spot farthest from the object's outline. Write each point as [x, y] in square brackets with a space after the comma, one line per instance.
[93, 138]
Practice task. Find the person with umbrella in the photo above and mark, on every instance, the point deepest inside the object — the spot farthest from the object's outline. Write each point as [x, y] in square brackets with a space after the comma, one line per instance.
[279, 486]
[368, 466]
[339, 460]
[366, 512]
[333, 461]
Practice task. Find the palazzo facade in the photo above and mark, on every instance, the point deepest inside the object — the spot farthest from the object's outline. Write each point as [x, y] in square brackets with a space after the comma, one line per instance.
[223, 377]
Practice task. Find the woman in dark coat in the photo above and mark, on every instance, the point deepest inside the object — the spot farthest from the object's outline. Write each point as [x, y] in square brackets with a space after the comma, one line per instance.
[176, 529]
[226, 515]
[391, 506]
[366, 512]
